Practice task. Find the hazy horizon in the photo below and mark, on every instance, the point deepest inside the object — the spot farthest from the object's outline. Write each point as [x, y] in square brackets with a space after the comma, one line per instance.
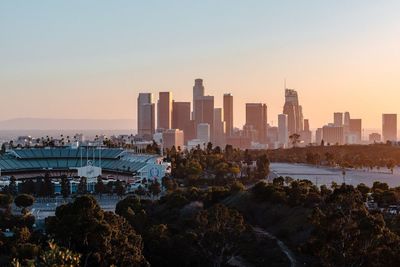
[90, 59]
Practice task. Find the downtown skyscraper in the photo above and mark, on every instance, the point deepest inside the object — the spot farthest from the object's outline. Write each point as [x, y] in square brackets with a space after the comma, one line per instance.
[256, 117]
[228, 113]
[164, 110]
[294, 111]
[145, 115]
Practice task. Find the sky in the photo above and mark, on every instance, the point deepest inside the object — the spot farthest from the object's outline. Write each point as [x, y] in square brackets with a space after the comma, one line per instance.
[90, 59]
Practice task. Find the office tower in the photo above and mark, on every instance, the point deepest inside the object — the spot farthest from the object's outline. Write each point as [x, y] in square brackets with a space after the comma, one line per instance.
[256, 115]
[354, 135]
[318, 136]
[203, 132]
[219, 128]
[332, 134]
[181, 119]
[389, 127]
[228, 113]
[294, 111]
[283, 135]
[164, 110]
[198, 91]
[306, 134]
[173, 137]
[204, 110]
[146, 115]
[374, 138]
[338, 118]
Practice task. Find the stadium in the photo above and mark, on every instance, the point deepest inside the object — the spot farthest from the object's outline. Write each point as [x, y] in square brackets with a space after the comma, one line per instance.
[89, 162]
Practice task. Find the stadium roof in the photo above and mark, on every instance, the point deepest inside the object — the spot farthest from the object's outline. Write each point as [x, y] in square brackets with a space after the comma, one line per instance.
[35, 159]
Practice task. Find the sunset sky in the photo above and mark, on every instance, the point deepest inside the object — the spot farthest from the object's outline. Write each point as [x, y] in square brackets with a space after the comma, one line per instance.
[90, 59]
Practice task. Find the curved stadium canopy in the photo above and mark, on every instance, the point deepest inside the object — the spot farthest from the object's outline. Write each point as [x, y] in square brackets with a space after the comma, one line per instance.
[38, 159]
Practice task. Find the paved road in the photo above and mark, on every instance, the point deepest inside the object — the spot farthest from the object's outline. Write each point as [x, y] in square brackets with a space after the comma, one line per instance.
[289, 254]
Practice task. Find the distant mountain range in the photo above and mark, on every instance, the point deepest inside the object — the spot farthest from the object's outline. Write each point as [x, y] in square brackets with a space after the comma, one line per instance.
[66, 124]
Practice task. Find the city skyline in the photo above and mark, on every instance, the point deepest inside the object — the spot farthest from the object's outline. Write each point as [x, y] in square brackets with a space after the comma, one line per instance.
[346, 54]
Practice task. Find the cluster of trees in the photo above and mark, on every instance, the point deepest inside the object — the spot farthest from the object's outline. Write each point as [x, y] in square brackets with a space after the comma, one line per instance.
[346, 156]
[214, 166]
[41, 186]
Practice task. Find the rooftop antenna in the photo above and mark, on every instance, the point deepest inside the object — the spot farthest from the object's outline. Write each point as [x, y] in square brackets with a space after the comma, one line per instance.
[284, 83]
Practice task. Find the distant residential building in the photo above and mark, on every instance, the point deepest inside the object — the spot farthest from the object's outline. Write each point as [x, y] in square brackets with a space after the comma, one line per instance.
[203, 132]
[355, 128]
[374, 138]
[332, 134]
[164, 110]
[173, 137]
[219, 128]
[273, 135]
[283, 136]
[338, 118]
[228, 113]
[146, 115]
[389, 127]
[256, 115]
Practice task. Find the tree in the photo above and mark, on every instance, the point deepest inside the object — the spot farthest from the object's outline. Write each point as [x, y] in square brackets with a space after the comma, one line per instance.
[12, 187]
[218, 232]
[262, 164]
[82, 186]
[48, 187]
[346, 234]
[119, 188]
[99, 187]
[102, 238]
[24, 201]
[155, 188]
[65, 187]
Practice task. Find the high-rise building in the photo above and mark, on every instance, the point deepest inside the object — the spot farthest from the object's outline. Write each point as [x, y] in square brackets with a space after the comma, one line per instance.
[389, 127]
[173, 137]
[204, 110]
[203, 132]
[332, 134]
[306, 134]
[198, 91]
[228, 113]
[146, 115]
[338, 118]
[355, 131]
[256, 115]
[283, 136]
[294, 111]
[164, 110]
[219, 128]
[346, 120]
[181, 119]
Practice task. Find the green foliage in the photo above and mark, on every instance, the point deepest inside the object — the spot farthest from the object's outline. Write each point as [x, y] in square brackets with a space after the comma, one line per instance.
[101, 237]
